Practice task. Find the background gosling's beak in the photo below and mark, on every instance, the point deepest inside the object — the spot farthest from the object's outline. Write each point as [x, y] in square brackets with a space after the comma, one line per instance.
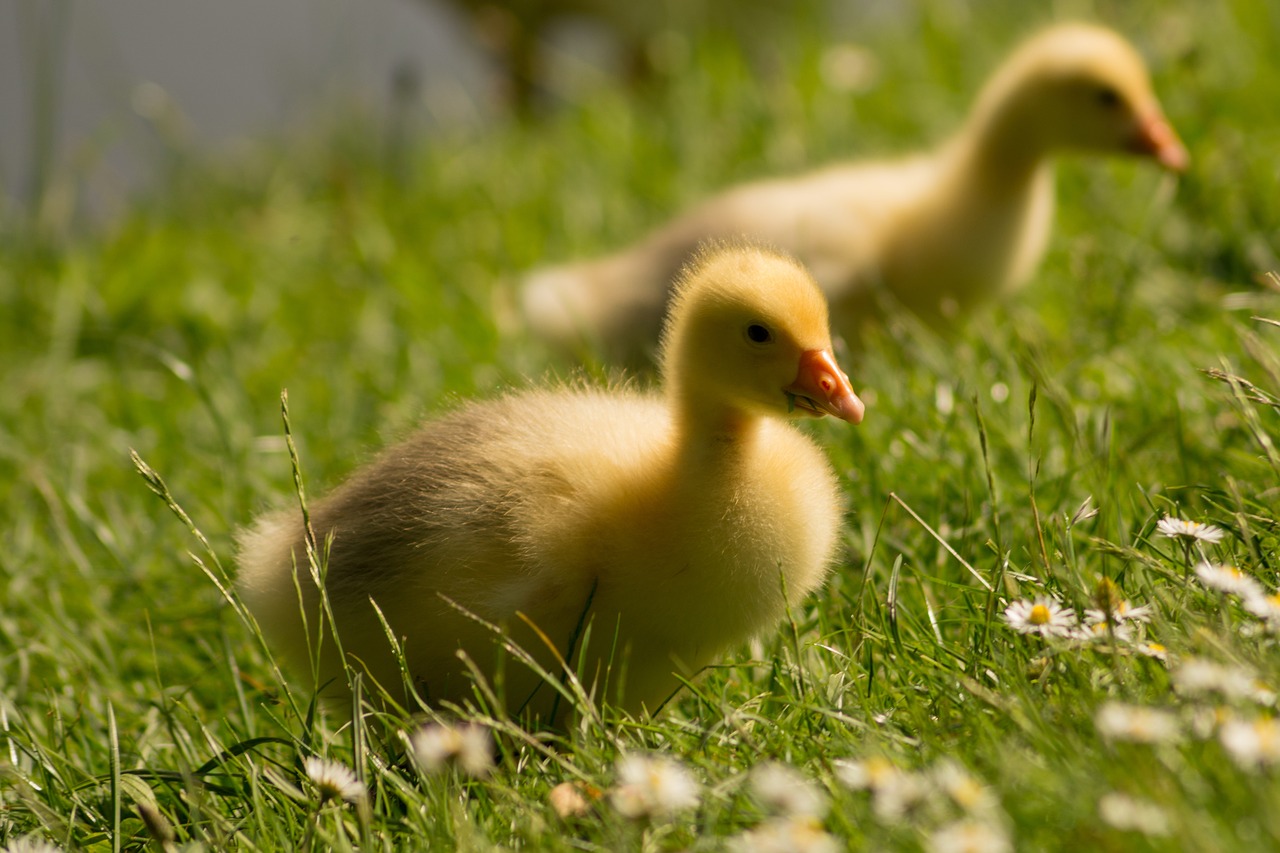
[1156, 138]
[822, 388]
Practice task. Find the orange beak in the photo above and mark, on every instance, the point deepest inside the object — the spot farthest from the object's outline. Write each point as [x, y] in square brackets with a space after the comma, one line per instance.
[822, 388]
[1156, 138]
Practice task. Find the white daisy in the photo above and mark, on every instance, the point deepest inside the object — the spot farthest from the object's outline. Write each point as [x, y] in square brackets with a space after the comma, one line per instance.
[970, 836]
[1044, 616]
[651, 786]
[900, 794]
[1135, 723]
[1153, 650]
[1195, 531]
[468, 747]
[1131, 814]
[964, 789]
[1264, 606]
[865, 775]
[1197, 676]
[1229, 579]
[335, 780]
[785, 791]
[1121, 612]
[1204, 721]
[1102, 631]
[894, 791]
[793, 834]
[1251, 743]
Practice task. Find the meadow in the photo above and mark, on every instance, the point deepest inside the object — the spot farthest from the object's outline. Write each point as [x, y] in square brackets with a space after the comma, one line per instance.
[1031, 454]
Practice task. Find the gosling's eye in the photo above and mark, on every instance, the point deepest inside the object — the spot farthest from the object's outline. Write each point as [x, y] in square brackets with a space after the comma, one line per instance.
[758, 333]
[1107, 97]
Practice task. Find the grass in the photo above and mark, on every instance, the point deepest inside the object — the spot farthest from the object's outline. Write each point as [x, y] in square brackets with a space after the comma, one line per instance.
[135, 702]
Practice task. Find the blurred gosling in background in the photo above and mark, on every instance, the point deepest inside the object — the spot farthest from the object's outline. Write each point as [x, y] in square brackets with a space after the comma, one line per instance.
[938, 233]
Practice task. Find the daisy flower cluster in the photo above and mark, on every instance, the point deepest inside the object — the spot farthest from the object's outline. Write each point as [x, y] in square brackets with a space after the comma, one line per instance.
[795, 806]
[1198, 677]
[1212, 693]
[1223, 701]
[1114, 619]
[433, 748]
[955, 809]
[944, 806]
[1127, 813]
[1234, 583]
[653, 786]
[1240, 586]
[786, 834]
[1118, 721]
[1251, 739]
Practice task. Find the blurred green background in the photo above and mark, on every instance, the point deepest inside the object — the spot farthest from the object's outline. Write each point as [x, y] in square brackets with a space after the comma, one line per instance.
[364, 260]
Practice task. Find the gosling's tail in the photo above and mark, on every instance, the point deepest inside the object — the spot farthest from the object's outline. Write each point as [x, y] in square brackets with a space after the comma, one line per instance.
[612, 305]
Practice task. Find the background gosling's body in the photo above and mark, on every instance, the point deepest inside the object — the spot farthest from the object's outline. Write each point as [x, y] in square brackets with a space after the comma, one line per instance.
[938, 233]
[677, 517]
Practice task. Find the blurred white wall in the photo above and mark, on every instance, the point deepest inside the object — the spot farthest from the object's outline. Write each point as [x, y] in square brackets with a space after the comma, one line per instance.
[88, 87]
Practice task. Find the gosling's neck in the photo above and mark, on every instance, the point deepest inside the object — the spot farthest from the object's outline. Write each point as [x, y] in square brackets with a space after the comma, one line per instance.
[710, 430]
[1001, 150]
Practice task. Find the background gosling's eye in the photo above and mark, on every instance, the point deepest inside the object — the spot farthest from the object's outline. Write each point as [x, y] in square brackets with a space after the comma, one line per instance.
[1107, 97]
[759, 333]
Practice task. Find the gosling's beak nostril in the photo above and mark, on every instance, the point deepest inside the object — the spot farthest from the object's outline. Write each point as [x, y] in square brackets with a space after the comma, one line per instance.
[824, 388]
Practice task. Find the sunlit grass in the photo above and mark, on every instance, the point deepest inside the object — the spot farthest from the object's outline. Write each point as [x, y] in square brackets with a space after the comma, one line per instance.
[135, 702]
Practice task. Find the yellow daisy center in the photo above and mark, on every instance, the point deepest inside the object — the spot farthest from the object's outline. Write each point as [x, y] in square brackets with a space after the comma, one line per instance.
[1268, 735]
[879, 770]
[1040, 615]
[968, 793]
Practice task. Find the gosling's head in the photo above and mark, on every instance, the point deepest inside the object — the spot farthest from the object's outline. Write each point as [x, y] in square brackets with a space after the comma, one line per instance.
[1082, 87]
[748, 330]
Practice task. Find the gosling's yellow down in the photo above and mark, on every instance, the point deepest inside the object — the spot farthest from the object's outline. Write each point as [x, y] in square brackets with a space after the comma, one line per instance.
[673, 524]
[938, 233]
